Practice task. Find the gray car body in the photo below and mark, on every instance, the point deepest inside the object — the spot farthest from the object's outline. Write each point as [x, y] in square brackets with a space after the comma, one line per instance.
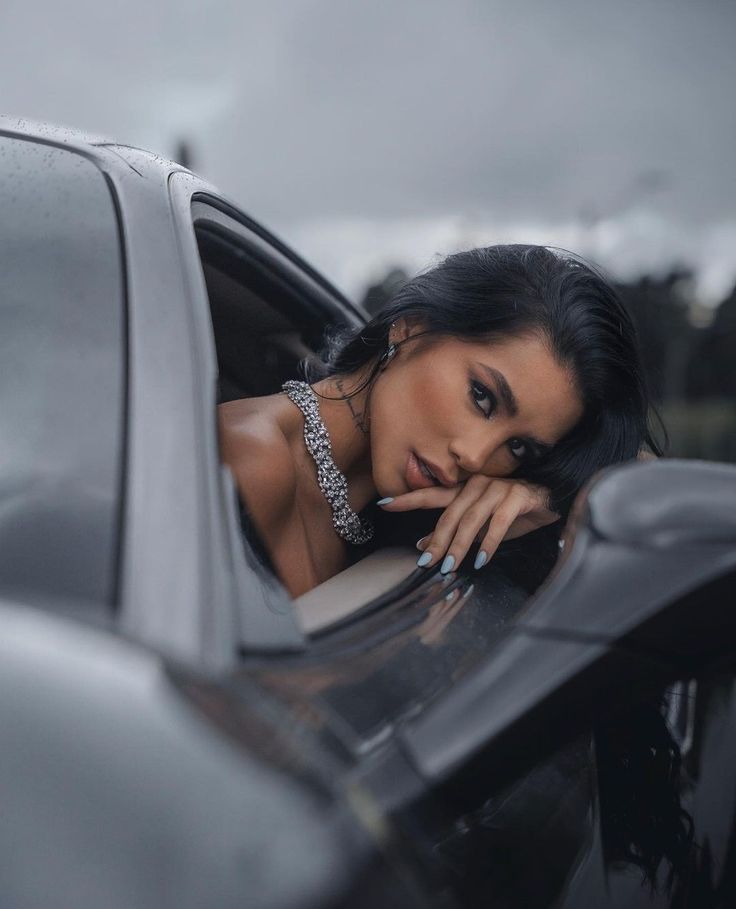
[196, 749]
[116, 792]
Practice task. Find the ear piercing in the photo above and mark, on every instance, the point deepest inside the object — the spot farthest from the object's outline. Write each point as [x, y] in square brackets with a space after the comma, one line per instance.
[387, 356]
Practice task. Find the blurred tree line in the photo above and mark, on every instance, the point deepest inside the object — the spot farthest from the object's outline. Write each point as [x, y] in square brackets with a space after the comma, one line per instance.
[689, 352]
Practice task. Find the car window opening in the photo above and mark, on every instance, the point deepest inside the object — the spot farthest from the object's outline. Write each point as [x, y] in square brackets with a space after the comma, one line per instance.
[263, 326]
[258, 344]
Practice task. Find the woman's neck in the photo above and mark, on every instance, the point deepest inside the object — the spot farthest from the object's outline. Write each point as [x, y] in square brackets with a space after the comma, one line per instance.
[347, 425]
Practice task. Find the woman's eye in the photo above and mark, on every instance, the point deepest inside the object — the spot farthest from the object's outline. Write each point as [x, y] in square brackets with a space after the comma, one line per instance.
[484, 399]
[518, 448]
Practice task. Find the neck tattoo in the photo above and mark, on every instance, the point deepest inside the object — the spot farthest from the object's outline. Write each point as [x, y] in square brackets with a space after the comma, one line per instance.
[360, 418]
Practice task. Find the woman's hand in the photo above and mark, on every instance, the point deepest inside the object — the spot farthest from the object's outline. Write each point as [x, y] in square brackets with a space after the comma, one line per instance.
[485, 508]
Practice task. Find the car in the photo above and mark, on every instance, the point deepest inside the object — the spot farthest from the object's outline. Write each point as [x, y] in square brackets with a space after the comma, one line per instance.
[178, 732]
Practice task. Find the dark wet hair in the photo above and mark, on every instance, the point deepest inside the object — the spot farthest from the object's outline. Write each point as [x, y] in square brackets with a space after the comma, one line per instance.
[513, 290]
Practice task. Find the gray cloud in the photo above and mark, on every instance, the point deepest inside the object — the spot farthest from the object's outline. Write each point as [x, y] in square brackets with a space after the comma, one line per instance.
[522, 109]
[314, 110]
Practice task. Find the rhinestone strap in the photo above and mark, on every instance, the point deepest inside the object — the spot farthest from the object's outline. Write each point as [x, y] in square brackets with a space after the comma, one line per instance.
[331, 480]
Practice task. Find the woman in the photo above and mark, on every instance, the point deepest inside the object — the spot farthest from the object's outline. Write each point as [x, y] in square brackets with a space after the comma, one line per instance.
[492, 387]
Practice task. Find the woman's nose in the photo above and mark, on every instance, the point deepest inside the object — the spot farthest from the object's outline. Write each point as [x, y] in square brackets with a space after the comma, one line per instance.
[474, 451]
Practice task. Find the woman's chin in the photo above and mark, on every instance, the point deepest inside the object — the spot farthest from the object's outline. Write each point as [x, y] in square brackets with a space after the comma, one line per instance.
[390, 488]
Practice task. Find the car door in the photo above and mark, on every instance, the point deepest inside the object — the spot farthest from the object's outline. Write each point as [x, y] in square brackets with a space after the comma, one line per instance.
[589, 759]
[523, 751]
[631, 804]
[260, 309]
[511, 817]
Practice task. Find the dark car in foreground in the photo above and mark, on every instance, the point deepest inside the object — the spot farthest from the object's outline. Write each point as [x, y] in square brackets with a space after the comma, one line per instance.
[177, 732]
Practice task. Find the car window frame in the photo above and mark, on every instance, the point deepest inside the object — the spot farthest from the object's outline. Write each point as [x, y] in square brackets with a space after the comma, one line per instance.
[315, 288]
[261, 611]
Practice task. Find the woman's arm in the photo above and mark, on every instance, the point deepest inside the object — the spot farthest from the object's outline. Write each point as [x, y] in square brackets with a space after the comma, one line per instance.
[485, 508]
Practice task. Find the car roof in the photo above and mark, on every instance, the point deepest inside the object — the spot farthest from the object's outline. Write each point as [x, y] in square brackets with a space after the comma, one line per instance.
[88, 144]
[118, 159]
[49, 132]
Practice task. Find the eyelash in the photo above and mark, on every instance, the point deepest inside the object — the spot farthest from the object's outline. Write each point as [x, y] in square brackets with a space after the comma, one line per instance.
[477, 388]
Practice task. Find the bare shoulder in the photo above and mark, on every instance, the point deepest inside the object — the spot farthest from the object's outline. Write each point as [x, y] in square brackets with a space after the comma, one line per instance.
[257, 451]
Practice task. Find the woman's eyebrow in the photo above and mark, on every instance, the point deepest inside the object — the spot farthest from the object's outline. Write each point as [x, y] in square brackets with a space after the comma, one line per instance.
[504, 389]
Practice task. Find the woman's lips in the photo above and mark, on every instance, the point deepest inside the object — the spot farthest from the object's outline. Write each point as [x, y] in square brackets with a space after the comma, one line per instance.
[415, 476]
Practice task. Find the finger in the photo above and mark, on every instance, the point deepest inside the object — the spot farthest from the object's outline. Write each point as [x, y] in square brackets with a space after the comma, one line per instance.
[431, 497]
[475, 521]
[436, 546]
[504, 517]
[472, 527]
[471, 508]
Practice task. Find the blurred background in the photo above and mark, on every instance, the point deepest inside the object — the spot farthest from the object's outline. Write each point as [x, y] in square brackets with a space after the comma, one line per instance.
[375, 137]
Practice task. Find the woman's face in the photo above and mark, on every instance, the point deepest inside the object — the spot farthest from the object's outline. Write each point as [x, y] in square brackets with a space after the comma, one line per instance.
[462, 408]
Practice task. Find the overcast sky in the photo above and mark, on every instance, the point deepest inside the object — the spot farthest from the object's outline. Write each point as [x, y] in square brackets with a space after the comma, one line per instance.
[371, 133]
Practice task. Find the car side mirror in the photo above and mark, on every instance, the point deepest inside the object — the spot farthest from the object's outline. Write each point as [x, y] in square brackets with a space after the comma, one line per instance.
[652, 551]
[647, 583]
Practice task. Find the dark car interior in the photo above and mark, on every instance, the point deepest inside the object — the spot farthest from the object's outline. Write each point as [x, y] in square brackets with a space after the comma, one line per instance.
[260, 334]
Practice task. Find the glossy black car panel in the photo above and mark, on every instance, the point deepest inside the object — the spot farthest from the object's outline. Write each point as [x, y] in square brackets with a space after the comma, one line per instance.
[442, 745]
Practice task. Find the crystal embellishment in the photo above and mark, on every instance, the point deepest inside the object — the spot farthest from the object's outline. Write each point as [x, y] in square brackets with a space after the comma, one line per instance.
[331, 480]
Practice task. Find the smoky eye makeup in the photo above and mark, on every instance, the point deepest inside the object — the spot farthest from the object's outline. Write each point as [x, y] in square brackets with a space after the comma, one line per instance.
[517, 443]
[533, 453]
[483, 398]
[486, 401]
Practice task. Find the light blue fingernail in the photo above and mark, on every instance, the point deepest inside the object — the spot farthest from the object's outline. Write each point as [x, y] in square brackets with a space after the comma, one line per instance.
[450, 595]
[480, 559]
[424, 559]
[448, 564]
[385, 501]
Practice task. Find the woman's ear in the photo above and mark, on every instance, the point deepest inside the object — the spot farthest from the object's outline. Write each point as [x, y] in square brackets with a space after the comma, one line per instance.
[403, 329]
